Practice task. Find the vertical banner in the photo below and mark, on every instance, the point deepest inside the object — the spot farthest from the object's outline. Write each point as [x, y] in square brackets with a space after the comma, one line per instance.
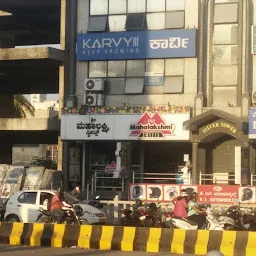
[238, 165]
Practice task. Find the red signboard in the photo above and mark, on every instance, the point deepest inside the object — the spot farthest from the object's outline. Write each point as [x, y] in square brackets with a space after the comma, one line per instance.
[218, 194]
[212, 194]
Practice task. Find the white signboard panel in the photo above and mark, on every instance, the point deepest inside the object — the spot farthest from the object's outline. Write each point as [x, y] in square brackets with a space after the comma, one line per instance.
[147, 126]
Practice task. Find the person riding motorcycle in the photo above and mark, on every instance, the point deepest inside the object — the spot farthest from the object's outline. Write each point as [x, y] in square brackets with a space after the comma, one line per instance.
[181, 205]
[194, 213]
[56, 204]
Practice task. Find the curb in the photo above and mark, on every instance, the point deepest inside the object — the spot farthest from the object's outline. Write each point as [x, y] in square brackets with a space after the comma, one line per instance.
[177, 241]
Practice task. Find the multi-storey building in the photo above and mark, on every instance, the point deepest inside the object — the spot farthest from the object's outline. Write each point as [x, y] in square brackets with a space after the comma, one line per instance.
[171, 81]
[28, 68]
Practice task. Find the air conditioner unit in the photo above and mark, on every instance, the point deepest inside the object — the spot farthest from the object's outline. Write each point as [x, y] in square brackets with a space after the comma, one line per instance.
[93, 99]
[94, 85]
[253, 97]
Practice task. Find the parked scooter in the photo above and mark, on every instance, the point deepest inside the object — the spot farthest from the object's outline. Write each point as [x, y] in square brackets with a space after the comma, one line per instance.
[72, 215]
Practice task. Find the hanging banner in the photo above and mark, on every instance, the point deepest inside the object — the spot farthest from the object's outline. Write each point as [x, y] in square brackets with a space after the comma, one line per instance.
[207, 194]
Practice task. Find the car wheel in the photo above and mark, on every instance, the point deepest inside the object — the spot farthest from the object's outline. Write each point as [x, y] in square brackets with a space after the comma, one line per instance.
[12, 218]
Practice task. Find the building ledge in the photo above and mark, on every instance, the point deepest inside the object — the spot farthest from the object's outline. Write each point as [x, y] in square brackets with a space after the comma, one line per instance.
[31, 53]
[126, 110]
[29, 124]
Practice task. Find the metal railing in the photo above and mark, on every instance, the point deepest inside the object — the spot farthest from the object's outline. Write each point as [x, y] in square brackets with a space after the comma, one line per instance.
[217, 178]
[170, 178]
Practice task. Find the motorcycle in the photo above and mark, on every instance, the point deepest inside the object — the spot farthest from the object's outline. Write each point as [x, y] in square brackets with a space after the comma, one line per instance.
[135, 218]
[153, 216]
[212, 222]
[72, 215]
[242, 221]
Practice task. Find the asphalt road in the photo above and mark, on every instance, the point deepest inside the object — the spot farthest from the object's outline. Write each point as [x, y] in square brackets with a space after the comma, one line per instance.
[6, 250]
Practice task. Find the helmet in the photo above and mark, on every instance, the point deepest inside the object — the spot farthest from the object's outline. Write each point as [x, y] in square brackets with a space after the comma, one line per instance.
[60, 191]
[247, 194]
[138, 203]
[155, 192]
[137, 192]
[214, 253]
[193, 195]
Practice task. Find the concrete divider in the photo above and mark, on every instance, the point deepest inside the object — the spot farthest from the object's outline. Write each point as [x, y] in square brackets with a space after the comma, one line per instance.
[197, 242]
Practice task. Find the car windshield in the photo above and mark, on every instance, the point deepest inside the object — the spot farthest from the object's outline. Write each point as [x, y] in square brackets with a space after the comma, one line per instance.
[70, 199]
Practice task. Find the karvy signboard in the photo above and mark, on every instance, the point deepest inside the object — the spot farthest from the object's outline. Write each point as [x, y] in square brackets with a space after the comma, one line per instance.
[145, 126]
[175, 43]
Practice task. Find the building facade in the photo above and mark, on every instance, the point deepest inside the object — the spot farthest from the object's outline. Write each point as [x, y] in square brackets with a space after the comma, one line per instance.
[164, 83]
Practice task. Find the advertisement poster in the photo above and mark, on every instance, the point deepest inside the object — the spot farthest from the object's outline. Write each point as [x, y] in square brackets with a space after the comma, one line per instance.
[217, 194]
[207, 194]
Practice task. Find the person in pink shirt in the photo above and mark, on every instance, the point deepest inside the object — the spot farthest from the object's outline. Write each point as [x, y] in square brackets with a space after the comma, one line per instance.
[180, 208]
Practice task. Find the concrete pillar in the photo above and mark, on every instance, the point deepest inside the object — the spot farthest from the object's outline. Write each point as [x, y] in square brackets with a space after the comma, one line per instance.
[84, 180]
[142, 154]
[66, 165]
[60, 154]
[195, 171]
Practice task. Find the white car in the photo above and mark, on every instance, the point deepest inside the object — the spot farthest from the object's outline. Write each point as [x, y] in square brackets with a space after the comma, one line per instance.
[23, 206]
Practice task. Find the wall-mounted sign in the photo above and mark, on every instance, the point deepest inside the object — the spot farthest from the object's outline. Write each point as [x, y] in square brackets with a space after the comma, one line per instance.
[154, 79]
[252, 124]
[213, 194]
[219, 124]
[176, 43]
[145, 126]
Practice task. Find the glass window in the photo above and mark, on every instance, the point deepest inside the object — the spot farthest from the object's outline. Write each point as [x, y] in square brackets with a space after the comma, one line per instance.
[134, 85]
[99, 7]
[136, 22]
[155, 5]
[135, 6]
[27, 198]
[153, 89]
[175, 19]
[116, 68]
[224, 96]
[174, 67]
[225, 76]
[173, 84]
[174, 5]
[117, 6]
[97, 24]
[115, 86]
[97, 69]
[45, 198]
[156, 21]
[156, 66]
[135, 68]
[117, 23]
[226, 13]
[226, 34]
[225, 55]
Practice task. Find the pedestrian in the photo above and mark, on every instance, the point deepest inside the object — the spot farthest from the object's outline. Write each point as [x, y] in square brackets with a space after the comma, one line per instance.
[76, 191]
[181, 205]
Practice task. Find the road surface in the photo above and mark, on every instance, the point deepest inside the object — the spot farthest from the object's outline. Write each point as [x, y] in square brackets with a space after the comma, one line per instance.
[6, 250]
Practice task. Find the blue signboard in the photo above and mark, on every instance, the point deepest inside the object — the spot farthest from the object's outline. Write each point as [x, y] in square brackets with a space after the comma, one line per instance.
[154, 79]
[252, 123]
[177, 43]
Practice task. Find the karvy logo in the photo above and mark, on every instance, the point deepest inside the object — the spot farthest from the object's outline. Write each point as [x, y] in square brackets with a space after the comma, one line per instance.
[152, 126]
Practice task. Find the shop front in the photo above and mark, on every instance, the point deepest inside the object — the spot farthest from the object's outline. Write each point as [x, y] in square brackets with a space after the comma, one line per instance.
[110, 147]
[220, 149]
